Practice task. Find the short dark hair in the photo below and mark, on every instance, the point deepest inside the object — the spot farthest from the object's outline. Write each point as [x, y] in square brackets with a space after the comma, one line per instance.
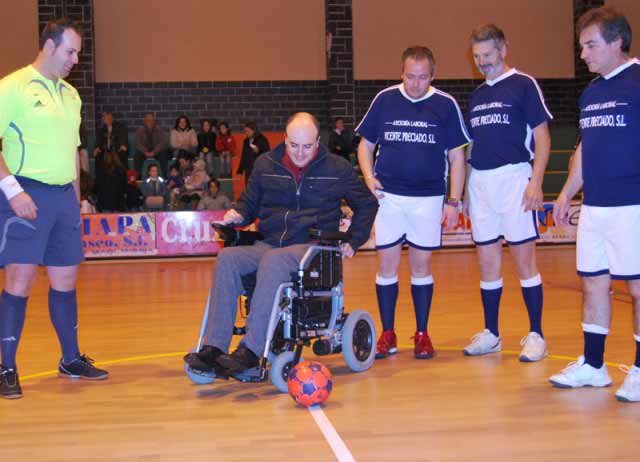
[54, 29]
[151, 165]
[224, 122]
[488, 32]
[612, 24]
[180, 117]
[213, 180]
[251, 124]
[418, 53]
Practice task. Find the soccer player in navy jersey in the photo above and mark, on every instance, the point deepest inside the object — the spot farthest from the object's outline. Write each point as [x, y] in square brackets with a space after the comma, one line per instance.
[607, 168]
[418, 128]
[508, 122]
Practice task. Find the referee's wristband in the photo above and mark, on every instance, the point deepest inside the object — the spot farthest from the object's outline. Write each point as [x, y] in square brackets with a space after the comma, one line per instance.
[10, 187]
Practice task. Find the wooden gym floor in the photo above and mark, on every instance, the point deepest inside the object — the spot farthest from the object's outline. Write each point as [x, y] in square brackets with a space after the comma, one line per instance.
[139, 317]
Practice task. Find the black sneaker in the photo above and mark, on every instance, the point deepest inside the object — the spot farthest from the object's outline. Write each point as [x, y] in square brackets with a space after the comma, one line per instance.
[240, 360]
[81, 368]
[9, 383]
[205, 359]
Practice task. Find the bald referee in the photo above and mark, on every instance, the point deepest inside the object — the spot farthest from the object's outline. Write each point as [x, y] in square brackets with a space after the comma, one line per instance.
[39, 210]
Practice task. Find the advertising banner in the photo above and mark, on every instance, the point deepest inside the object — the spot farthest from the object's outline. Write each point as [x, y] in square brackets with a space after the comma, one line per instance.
[187, 233]
[118, 235]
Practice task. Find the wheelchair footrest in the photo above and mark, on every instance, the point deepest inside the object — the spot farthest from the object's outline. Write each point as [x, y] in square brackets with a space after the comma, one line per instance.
[250, 375]
[239, 330]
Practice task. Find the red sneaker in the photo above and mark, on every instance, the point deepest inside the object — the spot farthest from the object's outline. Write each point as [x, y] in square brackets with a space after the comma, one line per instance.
[423, 349]
[387, 344]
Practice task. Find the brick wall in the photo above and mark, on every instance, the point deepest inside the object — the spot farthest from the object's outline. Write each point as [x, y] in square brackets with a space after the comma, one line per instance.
[269, 103]
[83, 75]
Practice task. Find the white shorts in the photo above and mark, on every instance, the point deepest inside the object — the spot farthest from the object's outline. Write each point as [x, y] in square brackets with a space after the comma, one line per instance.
[495, 207]
[414, 220]
[608, 241]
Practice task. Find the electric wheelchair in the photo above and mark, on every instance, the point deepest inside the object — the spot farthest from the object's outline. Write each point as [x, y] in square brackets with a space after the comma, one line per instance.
[307, 311]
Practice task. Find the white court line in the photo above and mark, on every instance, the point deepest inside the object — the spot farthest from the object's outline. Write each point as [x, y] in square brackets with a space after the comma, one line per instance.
[331, 435]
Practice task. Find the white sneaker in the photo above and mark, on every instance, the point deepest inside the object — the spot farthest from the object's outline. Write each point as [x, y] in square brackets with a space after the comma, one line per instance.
[483, 343]
[534, 348]
[580, 374]
[630, 389]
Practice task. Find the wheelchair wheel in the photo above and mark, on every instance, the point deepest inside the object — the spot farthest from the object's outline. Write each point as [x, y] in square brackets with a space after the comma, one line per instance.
[280, 367]
[359, 341]
[197, 377]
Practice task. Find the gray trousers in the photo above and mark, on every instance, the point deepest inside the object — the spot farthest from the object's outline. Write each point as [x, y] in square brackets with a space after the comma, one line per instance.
[274, 266]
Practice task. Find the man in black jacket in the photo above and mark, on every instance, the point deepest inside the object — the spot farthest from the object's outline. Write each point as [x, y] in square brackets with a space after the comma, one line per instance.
[297, 186]
[112, 136]
[254, 144]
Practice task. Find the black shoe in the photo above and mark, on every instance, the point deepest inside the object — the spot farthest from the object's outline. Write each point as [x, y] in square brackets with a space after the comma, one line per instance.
[205, 359]
[81, 368]
[9, 383]
[240, 360]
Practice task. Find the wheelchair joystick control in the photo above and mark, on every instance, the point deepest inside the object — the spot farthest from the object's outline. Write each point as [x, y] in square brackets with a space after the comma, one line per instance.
[322, 347]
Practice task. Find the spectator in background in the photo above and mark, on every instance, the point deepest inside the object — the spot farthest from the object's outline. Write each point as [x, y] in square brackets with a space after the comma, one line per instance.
[226, 146]
[340, 140]
[150, 143]
[111, 182]
[207, 143]
[112, 136]
[87, 199]
[154, 189]
[133, 193]
[214, 199]
[195, 184]
[175, 183]
[183, 139]
[254, 144]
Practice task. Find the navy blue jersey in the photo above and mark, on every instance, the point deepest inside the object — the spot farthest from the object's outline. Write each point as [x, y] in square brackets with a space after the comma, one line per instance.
[610, 129]
[502, 115]
[414, 137]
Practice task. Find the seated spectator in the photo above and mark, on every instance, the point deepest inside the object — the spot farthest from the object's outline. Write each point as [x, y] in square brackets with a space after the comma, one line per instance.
[195, 185]
[111, 182]
[183, 139]
[340, 139]
[135, 199]
[175, 184]
[226, 146]
[112, 136]
[154, 189]
[150, 143]
[207, 143]
[214, 199]
[255, 143]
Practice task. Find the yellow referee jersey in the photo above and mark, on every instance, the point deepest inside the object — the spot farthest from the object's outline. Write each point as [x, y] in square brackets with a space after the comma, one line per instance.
[39, 124]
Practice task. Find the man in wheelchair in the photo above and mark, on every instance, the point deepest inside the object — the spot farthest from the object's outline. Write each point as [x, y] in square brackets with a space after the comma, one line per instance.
[297, 186]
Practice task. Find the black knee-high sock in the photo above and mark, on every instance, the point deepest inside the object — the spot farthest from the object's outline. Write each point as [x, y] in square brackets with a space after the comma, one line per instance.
[63, 310]
[387, 293]
[490, 292]
[532, 294]
[12, 314]
[594, 340]
[422, 294]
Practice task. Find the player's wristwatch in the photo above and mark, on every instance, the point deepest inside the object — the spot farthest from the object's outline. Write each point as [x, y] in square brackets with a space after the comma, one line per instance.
[454, 202]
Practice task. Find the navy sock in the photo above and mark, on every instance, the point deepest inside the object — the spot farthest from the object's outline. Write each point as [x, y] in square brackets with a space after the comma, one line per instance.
[594, 349]
[422, 294]
[12, 313]
[490, 292]
[637, 363]
[63, 310]
[532, 294]
[387, 293]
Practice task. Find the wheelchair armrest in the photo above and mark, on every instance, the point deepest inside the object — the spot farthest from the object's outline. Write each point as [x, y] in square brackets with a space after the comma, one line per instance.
[329, 236]
[232, 237]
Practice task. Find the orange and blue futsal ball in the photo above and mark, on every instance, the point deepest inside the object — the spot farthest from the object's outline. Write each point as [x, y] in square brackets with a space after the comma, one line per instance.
[309, 383]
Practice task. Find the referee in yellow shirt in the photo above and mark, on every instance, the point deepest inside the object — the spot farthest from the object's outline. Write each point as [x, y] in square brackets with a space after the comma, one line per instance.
[39, 209]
